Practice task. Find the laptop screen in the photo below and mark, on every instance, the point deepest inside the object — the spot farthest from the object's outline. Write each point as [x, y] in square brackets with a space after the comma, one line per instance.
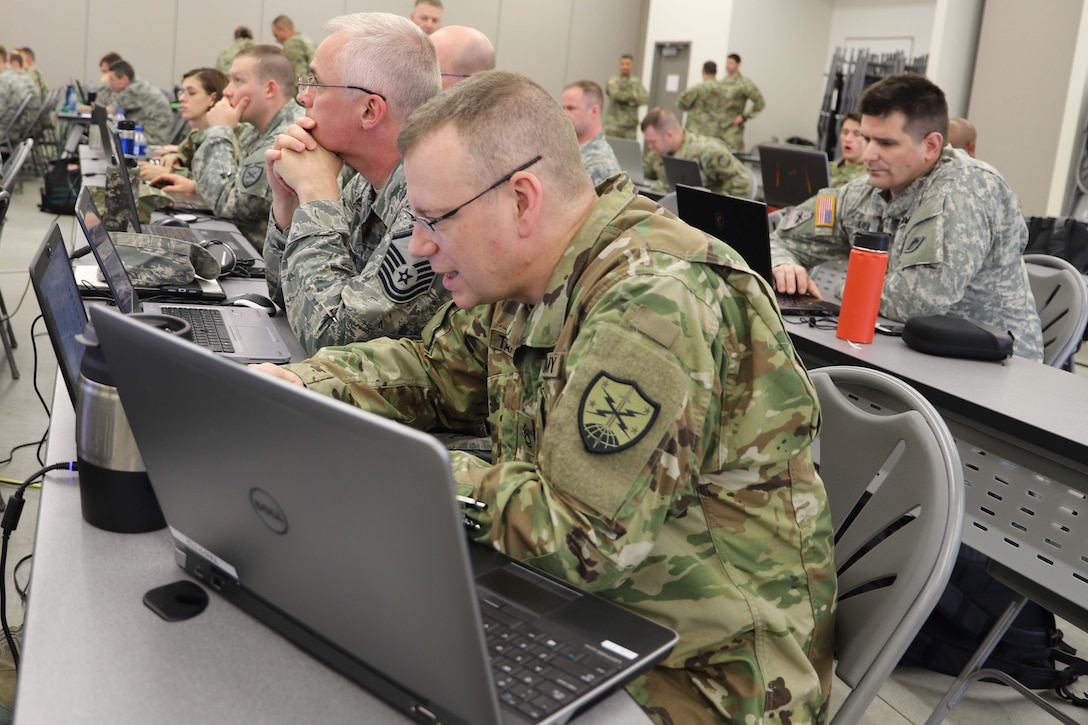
[60, 303]
[109, 261]
[740, 223]
[682, 171]
[792, 174]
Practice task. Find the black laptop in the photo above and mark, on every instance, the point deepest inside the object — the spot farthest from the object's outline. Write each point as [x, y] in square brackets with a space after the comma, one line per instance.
[744, 226]
[62, 307]
[792, 174]
[682, 171]
[350, 543]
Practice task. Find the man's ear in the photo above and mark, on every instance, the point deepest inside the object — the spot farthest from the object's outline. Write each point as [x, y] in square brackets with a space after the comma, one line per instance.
[529, 200]
[372, 111]
[933, 143]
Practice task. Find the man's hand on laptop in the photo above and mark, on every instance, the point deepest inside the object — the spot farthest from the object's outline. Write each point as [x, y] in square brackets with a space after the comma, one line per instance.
[224, 114]
[793, 279]
[277, 372]
[175, 183]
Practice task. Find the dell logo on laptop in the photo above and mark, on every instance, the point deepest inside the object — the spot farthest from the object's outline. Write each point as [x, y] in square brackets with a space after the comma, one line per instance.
[268, 509]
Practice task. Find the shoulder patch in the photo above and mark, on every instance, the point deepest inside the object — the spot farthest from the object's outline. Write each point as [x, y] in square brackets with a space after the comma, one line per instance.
[252, 174]
[794, 217]
[404, 277]
[614, 414]
[825, 210]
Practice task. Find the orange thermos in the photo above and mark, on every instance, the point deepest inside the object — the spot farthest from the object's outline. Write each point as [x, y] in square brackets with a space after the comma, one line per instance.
[864, 285]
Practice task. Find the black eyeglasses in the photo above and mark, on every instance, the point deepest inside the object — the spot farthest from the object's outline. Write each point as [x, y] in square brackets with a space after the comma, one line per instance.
[431, 223]
[308, 80]
[457, 75]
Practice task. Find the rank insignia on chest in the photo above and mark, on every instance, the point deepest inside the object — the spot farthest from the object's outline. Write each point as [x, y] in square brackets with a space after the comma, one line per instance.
[825, 210]
[614, 414]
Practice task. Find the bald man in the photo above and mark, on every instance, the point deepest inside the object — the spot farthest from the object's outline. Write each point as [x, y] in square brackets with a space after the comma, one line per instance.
[962, 135]
[461, 52]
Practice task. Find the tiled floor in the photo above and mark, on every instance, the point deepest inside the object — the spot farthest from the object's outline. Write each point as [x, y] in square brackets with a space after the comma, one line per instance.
[908, 697]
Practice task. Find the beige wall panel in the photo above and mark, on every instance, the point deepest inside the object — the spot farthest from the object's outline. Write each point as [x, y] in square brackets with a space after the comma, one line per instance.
[534, 38]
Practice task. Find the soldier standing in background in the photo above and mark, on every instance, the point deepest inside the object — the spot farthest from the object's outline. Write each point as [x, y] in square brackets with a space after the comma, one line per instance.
[738, 90]
[625, 95]
[243, 38]
[704, 103]
[297, 46]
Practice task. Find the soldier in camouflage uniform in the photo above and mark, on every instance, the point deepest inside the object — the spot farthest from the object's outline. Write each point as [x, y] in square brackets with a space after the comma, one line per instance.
[957, 232]
[625, 95]
[243, 38]
[297, 46]
[651, 422]
[704, 103]
[722, 171]
[15, 87]
[849, 166]
[228, 168]
[582, 102]
[35, 73]
[337, 259]
[143, 103]
[738, 90]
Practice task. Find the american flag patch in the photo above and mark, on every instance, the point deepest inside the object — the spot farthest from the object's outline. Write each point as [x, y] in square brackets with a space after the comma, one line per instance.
[825, 210]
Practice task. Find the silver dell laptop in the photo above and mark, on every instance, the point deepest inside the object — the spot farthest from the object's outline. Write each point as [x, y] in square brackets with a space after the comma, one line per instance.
[350, 543]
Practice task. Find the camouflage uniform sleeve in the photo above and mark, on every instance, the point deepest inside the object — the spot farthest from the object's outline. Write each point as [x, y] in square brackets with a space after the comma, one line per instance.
[687, 98]
[275, 240]
[724, 171]
[653, 168]
[235, 190]
[295, 50]
[758, 104]
[642, 96]
[330, 303]
[797, 239]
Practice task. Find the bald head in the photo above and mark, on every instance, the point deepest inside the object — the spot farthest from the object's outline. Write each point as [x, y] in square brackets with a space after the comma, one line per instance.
[461, 52]
[962, 134]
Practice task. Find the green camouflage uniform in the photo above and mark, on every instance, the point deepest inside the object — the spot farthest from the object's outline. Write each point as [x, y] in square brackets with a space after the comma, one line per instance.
[738, 91]
[625, 95]
[722, 171]
[705, 106]
[342, 270]
[226, 57]
[228, 169]
[147, 106]
[957, 240]
[842, 172]
[299, 49]
[39, 80]
[599, 159]
[651, 427]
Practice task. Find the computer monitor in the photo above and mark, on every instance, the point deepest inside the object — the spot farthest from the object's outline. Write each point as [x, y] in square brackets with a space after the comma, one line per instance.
[792, 174]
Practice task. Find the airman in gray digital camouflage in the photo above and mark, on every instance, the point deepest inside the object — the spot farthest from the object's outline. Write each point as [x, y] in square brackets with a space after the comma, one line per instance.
[337, 260]
[143, 103]
[704, 103]
[582, 101]
[722, 171]
[738, 91]
[651, 422]
[228, 167]
[625, 95]
[957, 233]
[298, 47]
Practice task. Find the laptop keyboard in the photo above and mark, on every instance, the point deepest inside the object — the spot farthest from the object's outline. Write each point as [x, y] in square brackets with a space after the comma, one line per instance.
[209, 329]
[536, 673]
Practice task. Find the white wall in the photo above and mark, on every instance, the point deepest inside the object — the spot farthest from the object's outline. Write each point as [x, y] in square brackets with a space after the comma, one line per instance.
[853, 19]
[952, 53]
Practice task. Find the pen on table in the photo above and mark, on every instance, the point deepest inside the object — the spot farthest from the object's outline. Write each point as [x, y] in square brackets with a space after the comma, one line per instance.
[471, 502]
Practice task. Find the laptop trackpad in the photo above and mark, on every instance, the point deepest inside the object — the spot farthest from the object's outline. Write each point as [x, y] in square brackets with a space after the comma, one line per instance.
[524, 588]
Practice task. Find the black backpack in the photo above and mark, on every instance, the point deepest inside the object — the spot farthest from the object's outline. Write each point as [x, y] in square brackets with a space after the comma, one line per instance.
[62, 182]
[972, 602]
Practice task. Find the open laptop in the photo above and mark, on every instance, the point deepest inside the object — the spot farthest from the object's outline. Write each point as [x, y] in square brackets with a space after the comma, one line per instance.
[245, 255]
[744, 226]
[60, 303]
[629, 153]
[242, 334]
[792, 174]
[358, 555]
[682, 171]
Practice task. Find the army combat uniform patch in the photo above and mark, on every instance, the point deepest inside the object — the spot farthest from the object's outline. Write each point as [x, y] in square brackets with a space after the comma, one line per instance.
[825, 210]
[614, 414]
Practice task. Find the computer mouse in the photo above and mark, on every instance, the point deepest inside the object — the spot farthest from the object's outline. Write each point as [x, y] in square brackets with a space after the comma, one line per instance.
[254, 300]
[170, 221]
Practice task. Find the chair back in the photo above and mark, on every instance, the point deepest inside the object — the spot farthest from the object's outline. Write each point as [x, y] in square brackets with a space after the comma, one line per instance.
[1062, 301]
[14, 165]
[895, 485]
[753, 179]
[669, 202]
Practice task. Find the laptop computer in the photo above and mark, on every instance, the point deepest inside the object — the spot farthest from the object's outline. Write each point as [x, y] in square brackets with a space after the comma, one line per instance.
[629, 153]
[792, 174]
[60, 303]
[242, 334]
[359, 555]
[246, 258]
[682, 171]
[744, 226]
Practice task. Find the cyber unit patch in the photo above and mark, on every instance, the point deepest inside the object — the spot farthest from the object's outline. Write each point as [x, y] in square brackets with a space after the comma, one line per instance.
[614, 414]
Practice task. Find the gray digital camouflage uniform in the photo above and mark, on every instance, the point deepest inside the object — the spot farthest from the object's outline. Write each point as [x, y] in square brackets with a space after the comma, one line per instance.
[705, 106]
[738, 91]
[229, 172]
[625, 95]
[599, 159]
[300, 50]
[957, 240]
[14, 88]
[651, 427]
[147, 106]
[841, 172]
[342, 269]
[722, 171]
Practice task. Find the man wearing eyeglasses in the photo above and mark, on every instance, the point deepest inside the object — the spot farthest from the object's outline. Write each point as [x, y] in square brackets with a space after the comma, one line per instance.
[228, 168]
[337, 258]
[651, 422]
